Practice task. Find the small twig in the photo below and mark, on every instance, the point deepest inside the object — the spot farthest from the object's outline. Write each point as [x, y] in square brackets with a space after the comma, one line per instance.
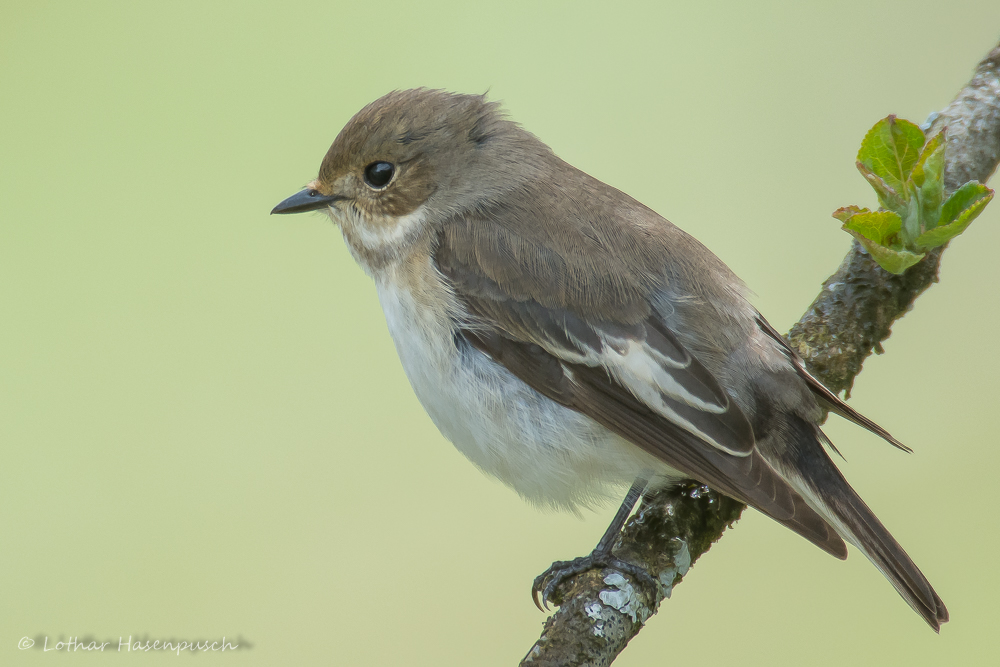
[600, 612]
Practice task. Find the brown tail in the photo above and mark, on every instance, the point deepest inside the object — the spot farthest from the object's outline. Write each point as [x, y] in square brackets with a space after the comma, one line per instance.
[794, 449]
[862, 528]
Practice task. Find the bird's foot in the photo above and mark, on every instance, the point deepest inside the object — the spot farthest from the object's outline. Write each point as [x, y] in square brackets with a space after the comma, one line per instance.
[547, 582]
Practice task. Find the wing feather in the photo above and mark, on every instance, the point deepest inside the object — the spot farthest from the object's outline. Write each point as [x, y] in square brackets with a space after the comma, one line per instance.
[590, 390]
[826, 397]
[636, 379]
[645, 357]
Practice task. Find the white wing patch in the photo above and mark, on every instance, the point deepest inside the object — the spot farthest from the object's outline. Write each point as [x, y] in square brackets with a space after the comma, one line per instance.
[667, 385]
[645, 368]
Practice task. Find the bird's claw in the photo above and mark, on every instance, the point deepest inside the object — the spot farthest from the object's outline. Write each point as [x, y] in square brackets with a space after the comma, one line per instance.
[547, 582]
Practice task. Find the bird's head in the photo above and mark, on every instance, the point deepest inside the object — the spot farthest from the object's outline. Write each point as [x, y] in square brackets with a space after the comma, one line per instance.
[411, 160]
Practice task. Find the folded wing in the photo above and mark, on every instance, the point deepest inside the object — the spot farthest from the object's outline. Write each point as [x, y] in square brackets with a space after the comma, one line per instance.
[637, 380]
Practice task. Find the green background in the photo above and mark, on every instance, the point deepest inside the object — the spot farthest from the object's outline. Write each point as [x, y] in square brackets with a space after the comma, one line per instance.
[205, 430]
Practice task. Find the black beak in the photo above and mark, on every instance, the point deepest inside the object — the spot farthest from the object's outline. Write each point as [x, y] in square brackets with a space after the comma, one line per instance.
[307, 200]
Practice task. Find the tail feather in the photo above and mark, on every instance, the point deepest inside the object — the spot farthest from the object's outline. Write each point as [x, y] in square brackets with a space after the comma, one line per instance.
[793, 448]
[862, 528]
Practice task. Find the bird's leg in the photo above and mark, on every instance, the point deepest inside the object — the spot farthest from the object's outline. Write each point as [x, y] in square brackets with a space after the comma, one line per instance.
[602, 556]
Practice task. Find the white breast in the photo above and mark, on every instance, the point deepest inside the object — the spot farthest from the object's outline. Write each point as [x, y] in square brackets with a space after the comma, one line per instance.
[549, 454]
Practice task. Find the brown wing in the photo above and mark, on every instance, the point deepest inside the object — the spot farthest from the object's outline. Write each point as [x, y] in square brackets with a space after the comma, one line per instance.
[591, 391]
[637, 380]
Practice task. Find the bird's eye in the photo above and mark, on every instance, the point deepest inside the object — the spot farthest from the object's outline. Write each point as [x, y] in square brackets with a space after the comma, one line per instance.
[378, 174]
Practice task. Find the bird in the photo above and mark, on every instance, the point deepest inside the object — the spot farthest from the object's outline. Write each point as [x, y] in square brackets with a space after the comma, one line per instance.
[571, 342]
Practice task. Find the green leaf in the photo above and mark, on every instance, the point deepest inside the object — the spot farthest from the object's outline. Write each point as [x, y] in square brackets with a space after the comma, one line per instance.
[934, 145]
[890, 149]
[878, 227]
[928, 177]
[980, 196]
[911, 222]
[963, 198]
[893, 261]
[887, 197]
[845, 213]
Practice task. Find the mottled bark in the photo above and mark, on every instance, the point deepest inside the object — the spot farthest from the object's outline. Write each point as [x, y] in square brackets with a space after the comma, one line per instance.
[600, 611]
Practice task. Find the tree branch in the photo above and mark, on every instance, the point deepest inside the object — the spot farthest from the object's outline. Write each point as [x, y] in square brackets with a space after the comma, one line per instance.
[600, 611]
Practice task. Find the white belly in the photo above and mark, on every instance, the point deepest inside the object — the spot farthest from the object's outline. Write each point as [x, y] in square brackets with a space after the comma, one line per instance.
[549, 454]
